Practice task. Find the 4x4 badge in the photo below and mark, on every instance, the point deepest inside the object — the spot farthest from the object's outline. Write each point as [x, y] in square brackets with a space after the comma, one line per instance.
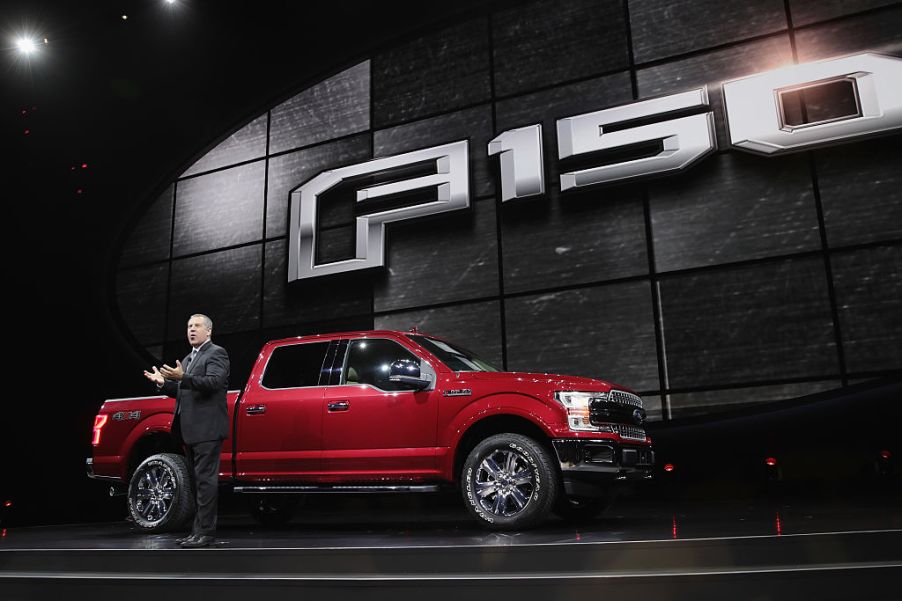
[458, 392]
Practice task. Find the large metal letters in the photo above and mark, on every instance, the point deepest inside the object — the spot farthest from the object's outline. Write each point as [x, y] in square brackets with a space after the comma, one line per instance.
[679, 123]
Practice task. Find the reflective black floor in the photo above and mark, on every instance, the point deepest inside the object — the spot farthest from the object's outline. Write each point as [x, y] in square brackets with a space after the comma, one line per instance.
[366, 521]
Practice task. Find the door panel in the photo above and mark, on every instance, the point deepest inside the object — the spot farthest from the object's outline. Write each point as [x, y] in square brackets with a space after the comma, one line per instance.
[371, 431]
[280, 420]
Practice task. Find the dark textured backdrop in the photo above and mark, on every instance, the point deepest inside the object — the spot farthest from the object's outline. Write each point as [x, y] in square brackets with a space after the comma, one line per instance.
[746, 279]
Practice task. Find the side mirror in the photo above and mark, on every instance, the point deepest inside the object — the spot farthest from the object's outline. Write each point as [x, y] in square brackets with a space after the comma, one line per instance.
[407, 371]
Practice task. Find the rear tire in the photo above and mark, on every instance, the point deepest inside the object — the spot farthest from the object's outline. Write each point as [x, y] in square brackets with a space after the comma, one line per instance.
[160, 495]
[509, 482]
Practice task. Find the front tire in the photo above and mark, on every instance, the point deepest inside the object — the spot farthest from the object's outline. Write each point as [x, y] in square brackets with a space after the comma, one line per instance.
[509, 482]
[160, 497]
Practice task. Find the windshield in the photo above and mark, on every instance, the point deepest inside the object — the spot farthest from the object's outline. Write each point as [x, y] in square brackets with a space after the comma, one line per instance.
[456, 358]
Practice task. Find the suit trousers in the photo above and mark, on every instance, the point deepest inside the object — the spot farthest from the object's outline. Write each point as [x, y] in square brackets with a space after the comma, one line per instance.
[203, 464]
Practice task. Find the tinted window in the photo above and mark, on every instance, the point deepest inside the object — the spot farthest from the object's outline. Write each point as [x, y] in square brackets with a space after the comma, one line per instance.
[455, 357]
[369, 362]
[295, 365]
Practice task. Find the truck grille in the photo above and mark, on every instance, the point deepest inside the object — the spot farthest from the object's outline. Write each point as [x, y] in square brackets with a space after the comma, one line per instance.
[619, 396]
[629, 432]
[617, 407]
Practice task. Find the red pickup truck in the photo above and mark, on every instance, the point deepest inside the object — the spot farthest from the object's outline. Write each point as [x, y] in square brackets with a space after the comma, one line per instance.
[387, 411]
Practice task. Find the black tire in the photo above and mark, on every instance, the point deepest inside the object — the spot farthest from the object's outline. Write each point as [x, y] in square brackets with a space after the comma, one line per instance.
[516, 494]
[273, 510]
[580, 509]
[160, 495]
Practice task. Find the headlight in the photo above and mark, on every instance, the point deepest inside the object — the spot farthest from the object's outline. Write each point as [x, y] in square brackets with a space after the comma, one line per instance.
[577, 406]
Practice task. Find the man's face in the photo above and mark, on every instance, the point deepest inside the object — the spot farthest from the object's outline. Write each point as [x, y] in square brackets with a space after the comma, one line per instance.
[198, 332]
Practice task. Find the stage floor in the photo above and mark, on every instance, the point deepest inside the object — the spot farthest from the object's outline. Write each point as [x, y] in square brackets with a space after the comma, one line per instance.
[396, 521]
[414, 547]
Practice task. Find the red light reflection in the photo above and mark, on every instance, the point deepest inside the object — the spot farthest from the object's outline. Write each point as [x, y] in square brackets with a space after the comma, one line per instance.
[778, 525]
[674, 532]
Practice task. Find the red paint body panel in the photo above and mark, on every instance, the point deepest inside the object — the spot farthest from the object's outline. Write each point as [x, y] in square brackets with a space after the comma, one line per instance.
[377, 436]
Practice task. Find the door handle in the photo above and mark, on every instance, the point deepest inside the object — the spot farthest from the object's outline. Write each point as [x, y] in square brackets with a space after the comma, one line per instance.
[339, 406]
[256, 409]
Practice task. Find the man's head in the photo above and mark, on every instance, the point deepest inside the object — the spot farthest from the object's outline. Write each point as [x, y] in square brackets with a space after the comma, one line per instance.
[200, 328]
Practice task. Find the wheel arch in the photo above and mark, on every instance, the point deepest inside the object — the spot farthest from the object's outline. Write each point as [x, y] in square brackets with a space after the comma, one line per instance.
[151, 443]
[496, 424]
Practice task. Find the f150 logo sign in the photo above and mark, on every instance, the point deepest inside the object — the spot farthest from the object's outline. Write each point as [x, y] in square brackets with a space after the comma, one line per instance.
[759, 118]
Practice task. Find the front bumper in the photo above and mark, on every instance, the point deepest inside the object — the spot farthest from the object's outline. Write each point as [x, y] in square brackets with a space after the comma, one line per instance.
[590, 466]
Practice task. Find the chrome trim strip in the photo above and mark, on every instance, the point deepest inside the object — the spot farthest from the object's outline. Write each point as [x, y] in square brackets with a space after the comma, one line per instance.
[312, 489]
[156, 397]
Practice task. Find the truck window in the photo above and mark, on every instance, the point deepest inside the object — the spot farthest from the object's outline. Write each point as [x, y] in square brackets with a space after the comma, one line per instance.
[369, 362]
[455, 357]
[295, 366]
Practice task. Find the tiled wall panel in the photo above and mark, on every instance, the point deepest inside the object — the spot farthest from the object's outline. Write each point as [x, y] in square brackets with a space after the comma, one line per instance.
[545, 43]
[662, 29]
[604, 332]
[773, 277]
[337, 107]
[476, 326]
[768, 321]
[869, 296]
[219, 209]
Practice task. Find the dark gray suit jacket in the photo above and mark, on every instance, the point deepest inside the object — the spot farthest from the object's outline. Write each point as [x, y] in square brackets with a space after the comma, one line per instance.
[201, 414]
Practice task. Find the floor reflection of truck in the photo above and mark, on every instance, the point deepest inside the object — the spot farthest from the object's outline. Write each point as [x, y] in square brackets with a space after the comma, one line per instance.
[386, 411]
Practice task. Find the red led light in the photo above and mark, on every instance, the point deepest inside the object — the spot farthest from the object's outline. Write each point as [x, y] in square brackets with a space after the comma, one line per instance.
[27, 131]
[8, 504]
[84, 165]
[771, 461]
[99, 421]
[668, 467]
[78, 190]
[4, 533]
[884, 454]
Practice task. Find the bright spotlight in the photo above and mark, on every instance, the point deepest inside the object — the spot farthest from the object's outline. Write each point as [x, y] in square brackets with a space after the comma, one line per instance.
[26, 45]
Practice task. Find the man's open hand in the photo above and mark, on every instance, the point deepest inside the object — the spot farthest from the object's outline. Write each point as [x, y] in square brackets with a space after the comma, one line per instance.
[173, 373]
[155, 376]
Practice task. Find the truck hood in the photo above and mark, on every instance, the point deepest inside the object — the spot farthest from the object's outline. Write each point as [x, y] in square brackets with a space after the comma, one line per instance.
[553, 381]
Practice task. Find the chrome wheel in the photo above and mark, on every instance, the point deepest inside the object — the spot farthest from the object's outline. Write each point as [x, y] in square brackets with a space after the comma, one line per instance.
[155, 491]
[504, 482]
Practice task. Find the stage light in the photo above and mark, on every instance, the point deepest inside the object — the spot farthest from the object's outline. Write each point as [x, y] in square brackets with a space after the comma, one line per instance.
[771, 461]
[668, 467]
[27, 45]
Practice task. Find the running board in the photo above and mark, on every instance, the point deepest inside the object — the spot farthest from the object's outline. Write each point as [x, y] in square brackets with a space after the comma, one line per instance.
[302, 489]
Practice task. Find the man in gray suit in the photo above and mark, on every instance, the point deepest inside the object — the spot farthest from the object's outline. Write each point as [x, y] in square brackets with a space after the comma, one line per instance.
[199, 385]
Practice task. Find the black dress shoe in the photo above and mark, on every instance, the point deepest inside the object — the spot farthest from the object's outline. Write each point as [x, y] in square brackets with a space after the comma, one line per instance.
[185, 539]
[198, 541]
